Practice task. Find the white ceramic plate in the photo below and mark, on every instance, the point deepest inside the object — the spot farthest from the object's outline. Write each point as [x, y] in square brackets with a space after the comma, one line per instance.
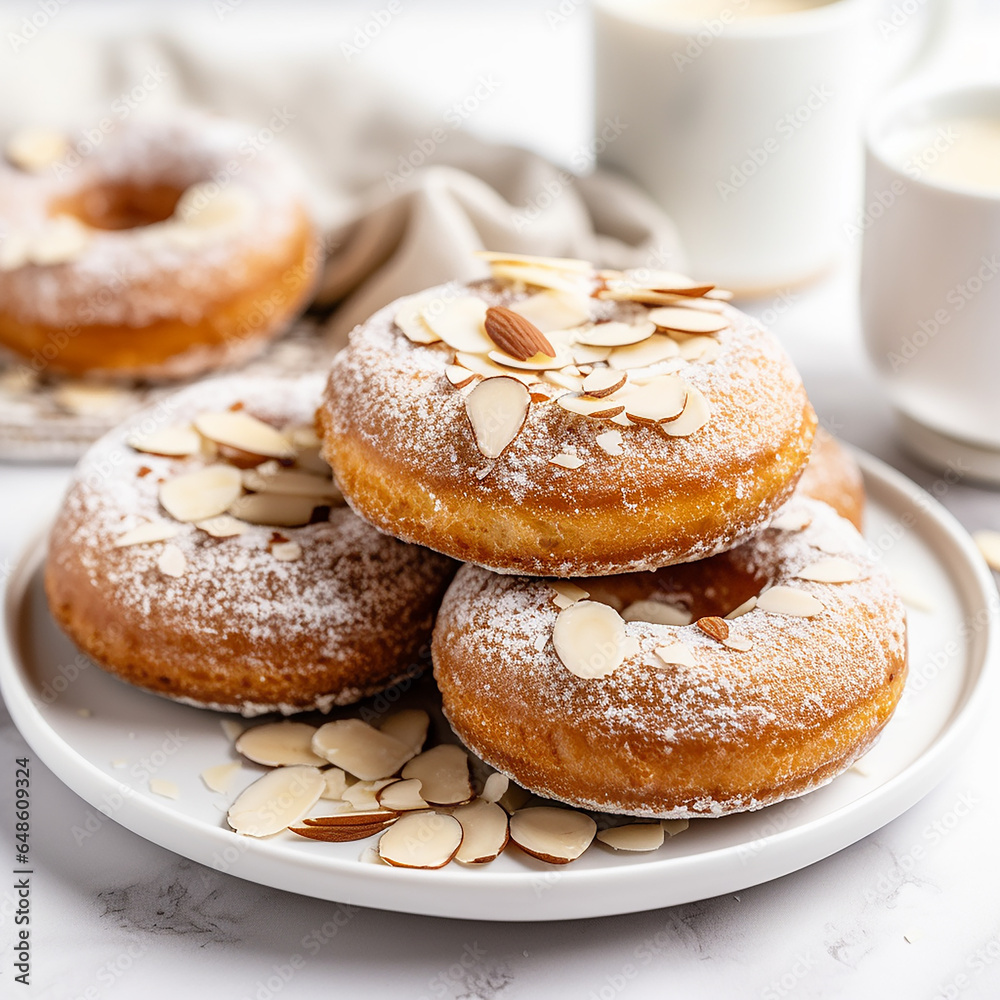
[105, 740]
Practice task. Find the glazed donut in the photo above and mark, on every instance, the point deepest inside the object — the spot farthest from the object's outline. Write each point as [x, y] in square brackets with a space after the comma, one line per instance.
[171, 250]
[443, 444]
[673, 720]
[293, 604]
[834, 477]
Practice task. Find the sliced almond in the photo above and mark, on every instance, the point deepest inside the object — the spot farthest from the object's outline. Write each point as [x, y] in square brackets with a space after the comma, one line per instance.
[557, 836]
[495, 787]
[616, 334]
[626, 292]
[223, 526]
[514, 798]
[238, 429]
[168, 789]
[703, 349]
[553, 310]
[583, 354]
[633, 837]
[657, 613]
[286, 551]
[409, 726]
[151, 531]
[676, 653]
[302, 436]
[220, 777]
[566, 461]
[359, 817]
[536, 363]
[204, 493]
[748, 605]
[280, 744]
[342, 834]
[988, 543]
[444, 775]
[610, 442]
[35, 149]
[291, 482]
[540, 277]
[830, 570]
[411, 322]
[171, 561]
[789, 601]
[791, 520]
[672, 827]
[565, 593]
[485, 832]
[553, 263]
[63, 240]
[274, 509]
[688, 320]
[276, 800]
[604, 381]
[515, 335]
[661, 399]
[668, 281]
[460, 377]
[310, 460]
[360, 749]
[497, 409]
[459, 322]
[588, 406]
[694, 416]
[179, 441]
[421, 840]
[363, 795]
[335, 780]
[715, 627]
[401, 796]
[589, 639]
[741, 643]
[482, 365]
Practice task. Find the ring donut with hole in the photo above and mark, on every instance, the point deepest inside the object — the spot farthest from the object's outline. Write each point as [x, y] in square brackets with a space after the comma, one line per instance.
[163, 252]
[698, 690]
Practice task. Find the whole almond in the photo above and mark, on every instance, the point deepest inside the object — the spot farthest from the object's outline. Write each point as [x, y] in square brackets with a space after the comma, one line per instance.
[515, 335]
[717, 628]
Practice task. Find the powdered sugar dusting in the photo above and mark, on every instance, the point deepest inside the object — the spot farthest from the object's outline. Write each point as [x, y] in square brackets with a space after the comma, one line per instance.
[350, 583]
[801, 673]
[130, 277]
[394, 396]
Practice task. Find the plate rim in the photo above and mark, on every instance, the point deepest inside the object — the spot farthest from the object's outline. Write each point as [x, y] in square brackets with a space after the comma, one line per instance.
[720, 870]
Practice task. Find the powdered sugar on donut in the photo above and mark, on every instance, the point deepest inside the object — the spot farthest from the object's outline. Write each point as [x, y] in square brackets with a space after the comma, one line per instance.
[801, 675]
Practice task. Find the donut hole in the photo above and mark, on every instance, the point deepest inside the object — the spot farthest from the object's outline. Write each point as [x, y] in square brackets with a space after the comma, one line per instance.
[707, 588]
[121, 206]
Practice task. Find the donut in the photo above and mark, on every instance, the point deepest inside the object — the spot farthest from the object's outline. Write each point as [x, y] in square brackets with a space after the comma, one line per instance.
[173, 248]
[631, 446]
[702, 689]
[203, 554]
[832, 475]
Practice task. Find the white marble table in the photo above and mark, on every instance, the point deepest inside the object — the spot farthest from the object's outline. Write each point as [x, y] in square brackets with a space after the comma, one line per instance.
[910, 911]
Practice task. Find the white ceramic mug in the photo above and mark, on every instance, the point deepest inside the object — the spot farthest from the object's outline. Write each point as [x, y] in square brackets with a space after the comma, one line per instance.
[746, 129]
[930, 287]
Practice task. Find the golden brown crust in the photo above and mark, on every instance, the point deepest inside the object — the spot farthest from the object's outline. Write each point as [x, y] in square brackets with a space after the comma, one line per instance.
[239, 630]
[397, 434]
[154, 289]
[834, 477]
[737, 730]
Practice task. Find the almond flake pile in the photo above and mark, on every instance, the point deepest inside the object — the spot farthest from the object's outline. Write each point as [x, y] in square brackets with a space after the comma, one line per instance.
[420, 803]
[248, 473]
[547, 349]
